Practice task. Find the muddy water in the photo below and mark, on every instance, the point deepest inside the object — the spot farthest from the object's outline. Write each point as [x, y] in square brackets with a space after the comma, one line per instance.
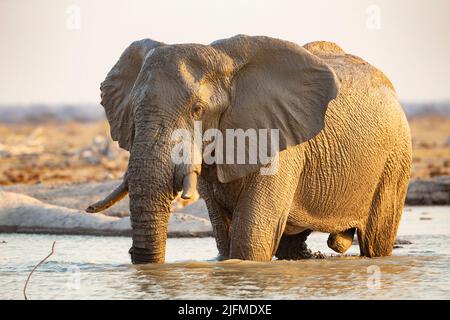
[98, 268]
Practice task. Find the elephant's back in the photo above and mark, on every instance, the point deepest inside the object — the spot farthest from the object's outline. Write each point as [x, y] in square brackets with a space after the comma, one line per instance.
[350, 69]
[367, 103]
[363, 125]
[366, 95]
[366, 113]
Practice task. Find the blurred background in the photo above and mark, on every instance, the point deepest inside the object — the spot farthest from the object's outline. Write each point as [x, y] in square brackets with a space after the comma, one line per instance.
[54, 55]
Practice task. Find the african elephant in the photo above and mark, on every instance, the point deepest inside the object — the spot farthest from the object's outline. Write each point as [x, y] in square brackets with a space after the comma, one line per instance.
[344, 144]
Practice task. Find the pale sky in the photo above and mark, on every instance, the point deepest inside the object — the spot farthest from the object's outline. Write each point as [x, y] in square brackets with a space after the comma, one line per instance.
[49, 55]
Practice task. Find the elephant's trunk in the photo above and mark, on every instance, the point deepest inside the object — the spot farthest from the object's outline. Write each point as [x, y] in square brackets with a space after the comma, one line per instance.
[150, 185]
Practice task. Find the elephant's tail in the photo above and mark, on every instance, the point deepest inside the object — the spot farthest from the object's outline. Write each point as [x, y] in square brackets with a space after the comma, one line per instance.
[118, 194]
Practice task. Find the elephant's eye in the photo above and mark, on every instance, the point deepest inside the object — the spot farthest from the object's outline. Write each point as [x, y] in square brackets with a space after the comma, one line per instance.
[197, 110]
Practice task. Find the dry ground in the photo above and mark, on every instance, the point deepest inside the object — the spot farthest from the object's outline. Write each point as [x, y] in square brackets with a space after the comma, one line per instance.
[59, 153]
[83, 152]
[431, 147]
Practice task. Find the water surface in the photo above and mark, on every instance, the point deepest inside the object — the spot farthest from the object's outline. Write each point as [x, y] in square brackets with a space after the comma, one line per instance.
[88, 267]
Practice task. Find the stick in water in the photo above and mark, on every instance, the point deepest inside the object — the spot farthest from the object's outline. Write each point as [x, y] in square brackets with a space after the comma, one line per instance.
[29, 276]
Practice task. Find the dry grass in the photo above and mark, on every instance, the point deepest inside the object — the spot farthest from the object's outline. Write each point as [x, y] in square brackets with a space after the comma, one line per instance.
[57, 153]
[431, 146]
[81, 152]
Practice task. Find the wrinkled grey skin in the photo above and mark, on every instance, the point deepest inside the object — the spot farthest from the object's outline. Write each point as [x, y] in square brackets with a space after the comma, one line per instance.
[344, 140]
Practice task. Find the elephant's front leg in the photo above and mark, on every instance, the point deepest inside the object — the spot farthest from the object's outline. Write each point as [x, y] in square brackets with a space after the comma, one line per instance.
[261, 213]
[219, 218]
[221, 227]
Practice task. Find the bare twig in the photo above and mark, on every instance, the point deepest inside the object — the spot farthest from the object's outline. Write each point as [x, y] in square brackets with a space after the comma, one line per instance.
[29, 276]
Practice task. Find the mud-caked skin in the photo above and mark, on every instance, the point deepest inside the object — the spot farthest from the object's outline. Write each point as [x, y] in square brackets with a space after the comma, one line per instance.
[345, 145]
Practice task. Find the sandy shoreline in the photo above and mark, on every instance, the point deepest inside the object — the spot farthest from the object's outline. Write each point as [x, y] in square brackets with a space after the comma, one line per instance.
[96, 232]
[60, 210]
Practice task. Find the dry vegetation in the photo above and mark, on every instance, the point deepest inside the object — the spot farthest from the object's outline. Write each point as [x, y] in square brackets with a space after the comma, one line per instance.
[431, 146]
[82, 152]
[59, 153]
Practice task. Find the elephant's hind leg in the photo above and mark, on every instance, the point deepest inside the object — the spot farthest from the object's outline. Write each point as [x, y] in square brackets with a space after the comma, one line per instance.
[293, 247]
[378, 236]
[342, 241]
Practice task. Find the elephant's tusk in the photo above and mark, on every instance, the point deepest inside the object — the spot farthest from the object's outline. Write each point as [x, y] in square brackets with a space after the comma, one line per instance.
[115, 196]
[189, 185]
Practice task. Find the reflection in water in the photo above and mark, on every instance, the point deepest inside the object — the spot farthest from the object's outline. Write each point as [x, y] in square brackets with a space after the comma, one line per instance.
[85, 267]
[347, 277]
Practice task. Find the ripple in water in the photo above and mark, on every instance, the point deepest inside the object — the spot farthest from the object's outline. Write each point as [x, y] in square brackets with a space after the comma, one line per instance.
[86, 267]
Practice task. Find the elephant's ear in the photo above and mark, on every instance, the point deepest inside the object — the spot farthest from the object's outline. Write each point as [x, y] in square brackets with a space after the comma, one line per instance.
[116, 89]
[276, 85]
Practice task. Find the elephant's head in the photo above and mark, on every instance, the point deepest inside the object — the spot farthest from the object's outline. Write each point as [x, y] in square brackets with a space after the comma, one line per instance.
[242, 82]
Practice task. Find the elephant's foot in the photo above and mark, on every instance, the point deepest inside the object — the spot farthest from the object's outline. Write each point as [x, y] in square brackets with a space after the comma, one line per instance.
[293, 247]
[142, 256]
[221, 257]
[342, 241]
